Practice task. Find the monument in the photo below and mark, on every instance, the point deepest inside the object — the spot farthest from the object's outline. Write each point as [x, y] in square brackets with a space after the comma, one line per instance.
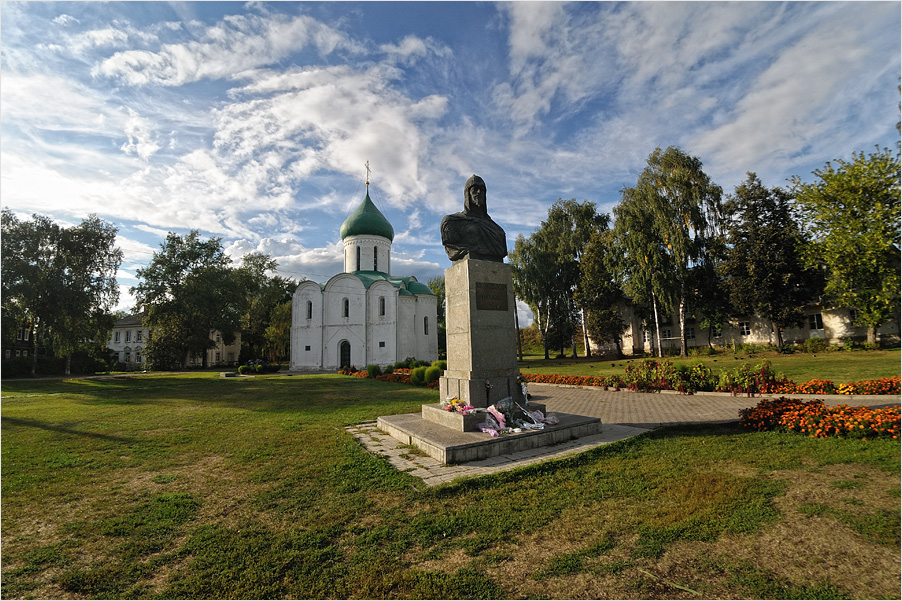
[482, 373]
[480, 305]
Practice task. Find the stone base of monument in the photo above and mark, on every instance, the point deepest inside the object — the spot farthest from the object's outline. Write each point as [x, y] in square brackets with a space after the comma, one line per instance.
[460, 421]
[450, 445]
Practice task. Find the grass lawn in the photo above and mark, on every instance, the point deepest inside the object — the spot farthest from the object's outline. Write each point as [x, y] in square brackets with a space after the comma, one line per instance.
[191, 486]
[837, 366]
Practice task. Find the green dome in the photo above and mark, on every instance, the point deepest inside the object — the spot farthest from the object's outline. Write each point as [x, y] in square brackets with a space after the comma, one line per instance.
[367, 220]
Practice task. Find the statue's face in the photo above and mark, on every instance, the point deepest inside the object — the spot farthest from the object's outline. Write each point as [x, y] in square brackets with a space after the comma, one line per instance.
[477, 196]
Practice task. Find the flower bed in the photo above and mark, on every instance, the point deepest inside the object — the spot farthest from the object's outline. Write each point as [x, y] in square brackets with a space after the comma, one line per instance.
[815, 419]
[653, 376]
[399, 376]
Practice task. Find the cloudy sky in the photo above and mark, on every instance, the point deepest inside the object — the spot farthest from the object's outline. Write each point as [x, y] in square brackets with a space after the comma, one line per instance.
[252, 122]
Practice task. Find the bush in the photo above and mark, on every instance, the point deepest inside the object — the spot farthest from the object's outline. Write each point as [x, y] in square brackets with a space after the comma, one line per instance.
[814, 345]
[418, 376]
[441, 364]
[432, 373]
[373, 370]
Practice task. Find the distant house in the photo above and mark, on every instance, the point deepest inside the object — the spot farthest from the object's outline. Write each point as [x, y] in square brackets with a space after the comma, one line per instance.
[128, 341]
[833, 324]
[22, 346]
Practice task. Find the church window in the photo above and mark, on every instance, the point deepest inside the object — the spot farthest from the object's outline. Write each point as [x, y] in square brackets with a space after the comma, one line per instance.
[358, 258]
[381, 345]
[426, 326]
[375, 258]
[307, 348]
[382, 305]
[346, 309]
[309, 309]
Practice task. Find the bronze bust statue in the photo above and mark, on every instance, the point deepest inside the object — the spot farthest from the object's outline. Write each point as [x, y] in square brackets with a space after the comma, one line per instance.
[472, 232]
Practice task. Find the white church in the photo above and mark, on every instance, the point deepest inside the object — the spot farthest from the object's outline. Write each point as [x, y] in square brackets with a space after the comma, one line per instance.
[365, 315]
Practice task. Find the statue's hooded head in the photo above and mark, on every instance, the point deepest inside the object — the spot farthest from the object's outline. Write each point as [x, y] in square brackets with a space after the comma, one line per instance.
[474, 203]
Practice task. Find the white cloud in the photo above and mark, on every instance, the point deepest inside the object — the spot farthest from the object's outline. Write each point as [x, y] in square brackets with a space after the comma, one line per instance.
[141, 140]
[235, 44]
[65, 20]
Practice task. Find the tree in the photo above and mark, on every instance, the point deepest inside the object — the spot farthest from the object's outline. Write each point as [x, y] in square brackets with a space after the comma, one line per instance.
[187, 291]
[852, 212]
[533, 268]
[60, 282]
[260, 294]
[437, 285]
[667, 223]
[277, 336]
[600, 294]
[764, 269]
[566, 234]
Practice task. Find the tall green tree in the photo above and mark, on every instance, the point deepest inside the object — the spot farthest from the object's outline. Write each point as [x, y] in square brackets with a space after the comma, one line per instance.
[60, 282]
[187, 292]
[852, 210]
[668, 222]
[600, 293]
[764, 269]
[277, 337]
[533, 268]
[261, 292]
[566, 234]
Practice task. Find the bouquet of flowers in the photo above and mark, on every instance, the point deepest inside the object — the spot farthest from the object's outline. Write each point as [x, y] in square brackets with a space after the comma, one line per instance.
[458, 406]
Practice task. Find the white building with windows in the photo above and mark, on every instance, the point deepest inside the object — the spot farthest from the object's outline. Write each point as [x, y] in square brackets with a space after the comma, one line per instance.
[129, 339]
[364, 315]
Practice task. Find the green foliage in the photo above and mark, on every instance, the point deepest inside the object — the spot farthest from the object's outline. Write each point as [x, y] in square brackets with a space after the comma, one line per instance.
[59, 283]
[187, 291]
[432, 374]
[764, 268]
[666, 227]
[853, 213]
[599, 292]
[265, 307]
[418, 376]
[373, 370]
[441, 364]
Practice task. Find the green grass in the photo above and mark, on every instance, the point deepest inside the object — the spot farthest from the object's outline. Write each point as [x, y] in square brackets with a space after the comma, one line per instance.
[191, 486]
[837, 366]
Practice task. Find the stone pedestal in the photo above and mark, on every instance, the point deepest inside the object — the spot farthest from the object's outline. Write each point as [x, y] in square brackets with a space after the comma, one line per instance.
[481, 333]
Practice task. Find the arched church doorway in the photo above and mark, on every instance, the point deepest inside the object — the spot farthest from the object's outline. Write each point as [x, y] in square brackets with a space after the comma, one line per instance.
[344, 354]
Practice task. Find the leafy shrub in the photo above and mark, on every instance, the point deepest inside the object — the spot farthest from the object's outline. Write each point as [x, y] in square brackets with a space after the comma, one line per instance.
[441, 364]
[432, 374]
[373, 370]
[814, 345]
[418, 376]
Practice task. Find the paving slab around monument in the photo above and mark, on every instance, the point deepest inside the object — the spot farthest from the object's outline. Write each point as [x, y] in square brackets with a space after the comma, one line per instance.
[622, 414]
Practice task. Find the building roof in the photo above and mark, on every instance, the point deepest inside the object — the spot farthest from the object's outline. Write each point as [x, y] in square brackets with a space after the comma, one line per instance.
[367, 220]
[405, 285]
[130, 320]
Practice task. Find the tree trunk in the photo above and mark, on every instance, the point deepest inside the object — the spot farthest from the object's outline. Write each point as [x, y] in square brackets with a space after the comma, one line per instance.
[682, 326]
[872, 334]
[68, 364]
[34, 350]
[517, 325]
[586, 334]
[777, 336]
[654, 301]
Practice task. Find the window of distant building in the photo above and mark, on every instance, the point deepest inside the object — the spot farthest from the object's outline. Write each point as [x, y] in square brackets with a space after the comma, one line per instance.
[116, 337]
[382, 305]
[426, 326]
[815, 322]
[128, 336]
[358, 258]
[690, 333]
[745, 328]
[375, 258]
[139, 336]
[309, 309]
[346, 309]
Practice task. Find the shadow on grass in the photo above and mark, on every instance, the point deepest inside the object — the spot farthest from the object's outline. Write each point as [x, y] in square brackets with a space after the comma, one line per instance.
[33, 423]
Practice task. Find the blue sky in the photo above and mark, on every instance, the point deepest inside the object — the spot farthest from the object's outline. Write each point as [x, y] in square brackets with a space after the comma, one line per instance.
[253, 121]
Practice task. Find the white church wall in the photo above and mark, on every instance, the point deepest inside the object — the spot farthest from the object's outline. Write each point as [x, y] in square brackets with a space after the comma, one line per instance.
[426, 324]
[406, 335]
[382, 344]
[307, 327]
[344, 315]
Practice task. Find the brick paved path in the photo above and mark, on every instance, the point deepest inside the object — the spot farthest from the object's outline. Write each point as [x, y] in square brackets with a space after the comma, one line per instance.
[623, 414]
